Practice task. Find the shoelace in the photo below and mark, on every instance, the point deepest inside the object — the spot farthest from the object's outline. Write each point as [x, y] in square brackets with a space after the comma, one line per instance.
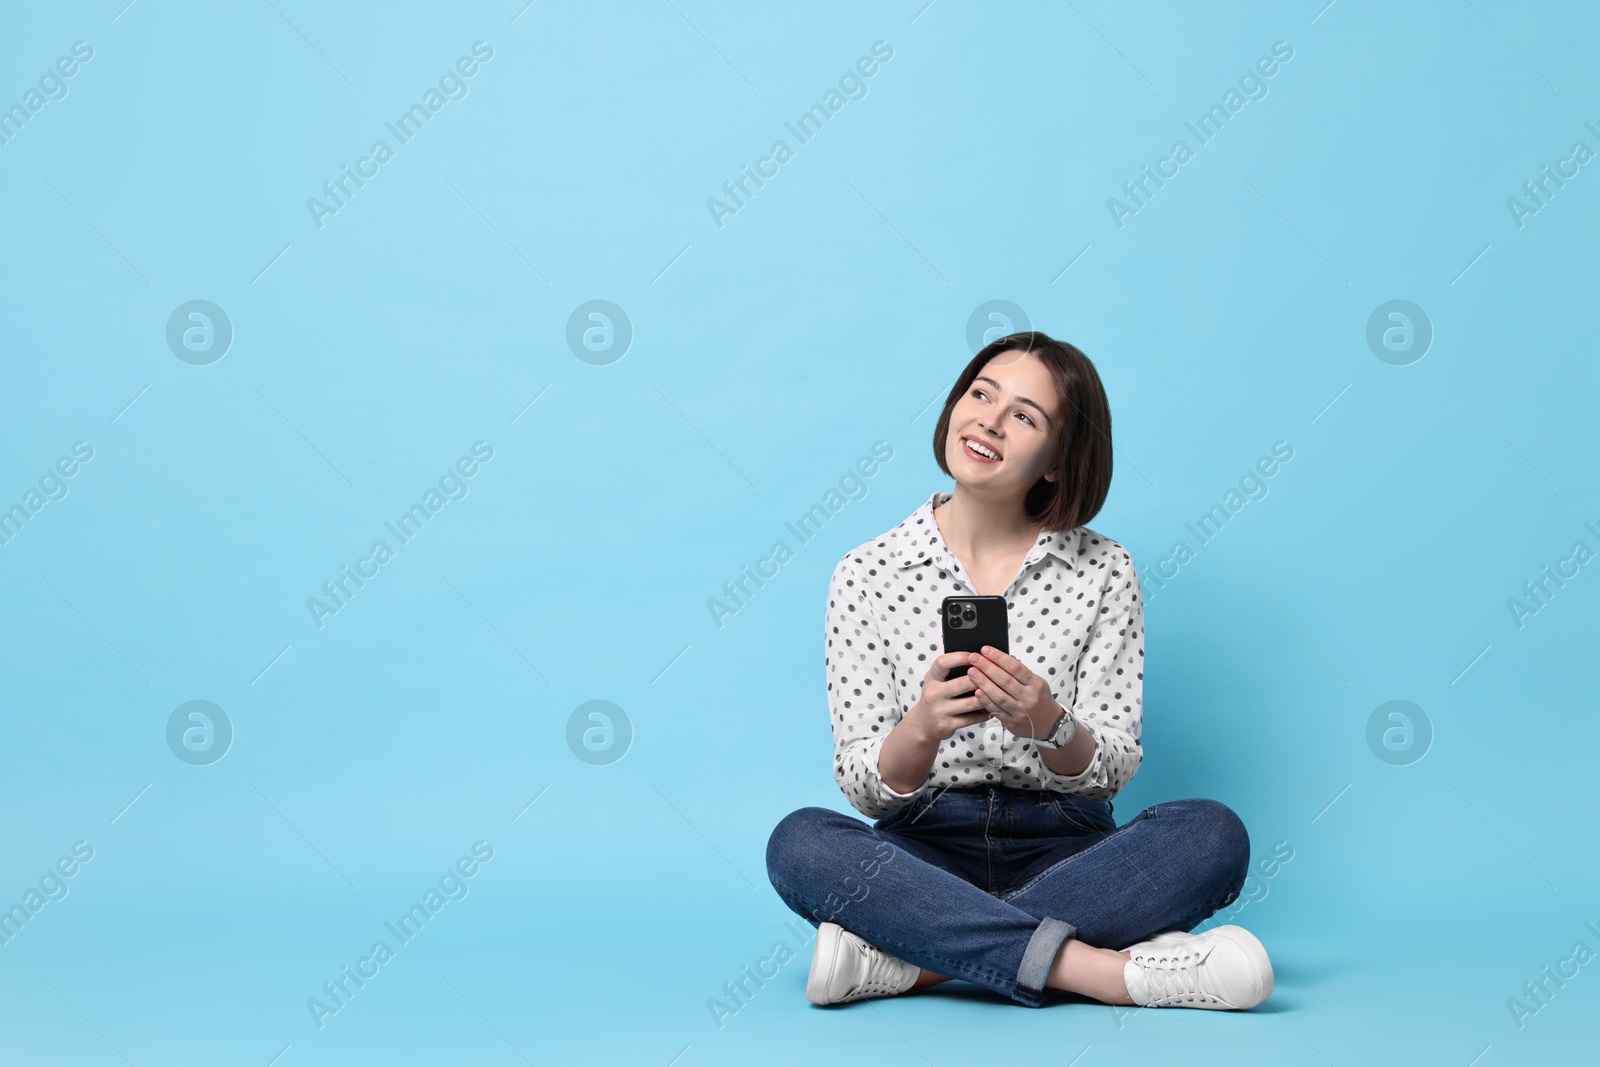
[884, 974]
[1173, 975]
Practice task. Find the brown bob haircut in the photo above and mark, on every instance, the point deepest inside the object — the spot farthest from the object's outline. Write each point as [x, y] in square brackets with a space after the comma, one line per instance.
[1083, 444]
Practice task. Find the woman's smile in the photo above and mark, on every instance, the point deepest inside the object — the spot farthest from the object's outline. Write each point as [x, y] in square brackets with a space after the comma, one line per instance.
[968, 444]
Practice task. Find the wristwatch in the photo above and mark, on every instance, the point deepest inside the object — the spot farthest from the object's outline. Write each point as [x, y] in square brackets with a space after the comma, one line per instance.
[1062, 735]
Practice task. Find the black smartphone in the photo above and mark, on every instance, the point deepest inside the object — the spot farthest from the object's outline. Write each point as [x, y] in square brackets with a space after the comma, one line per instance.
[970, 622]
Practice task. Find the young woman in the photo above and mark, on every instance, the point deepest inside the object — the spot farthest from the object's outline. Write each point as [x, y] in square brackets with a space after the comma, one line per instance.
[994, 856]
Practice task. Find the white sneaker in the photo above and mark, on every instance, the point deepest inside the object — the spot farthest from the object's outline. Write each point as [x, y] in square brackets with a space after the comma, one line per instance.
[1226, 967]
[845, 967]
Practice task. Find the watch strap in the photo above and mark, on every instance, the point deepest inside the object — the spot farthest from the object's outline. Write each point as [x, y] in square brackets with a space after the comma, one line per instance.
[1062, 735]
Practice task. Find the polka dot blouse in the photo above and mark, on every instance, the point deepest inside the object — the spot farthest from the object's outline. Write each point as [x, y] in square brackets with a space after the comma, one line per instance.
[1075, 618]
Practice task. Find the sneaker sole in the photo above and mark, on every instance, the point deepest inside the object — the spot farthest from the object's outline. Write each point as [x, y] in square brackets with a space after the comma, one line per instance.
[824, 955]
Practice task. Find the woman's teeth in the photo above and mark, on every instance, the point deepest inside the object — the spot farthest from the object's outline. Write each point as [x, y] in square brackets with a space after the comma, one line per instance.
[981, 452]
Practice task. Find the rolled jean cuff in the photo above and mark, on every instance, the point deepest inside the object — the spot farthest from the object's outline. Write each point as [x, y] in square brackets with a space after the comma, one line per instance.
[1037, 959]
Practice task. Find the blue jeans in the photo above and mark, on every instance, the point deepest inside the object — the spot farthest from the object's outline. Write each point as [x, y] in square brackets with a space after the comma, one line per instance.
[986, 883]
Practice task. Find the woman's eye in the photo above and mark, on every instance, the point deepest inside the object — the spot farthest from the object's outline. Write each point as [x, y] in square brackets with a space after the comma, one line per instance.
[979, 393]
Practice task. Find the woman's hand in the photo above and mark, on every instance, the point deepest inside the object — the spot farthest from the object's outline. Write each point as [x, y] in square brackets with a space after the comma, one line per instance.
[1020, 699]
[947, 704]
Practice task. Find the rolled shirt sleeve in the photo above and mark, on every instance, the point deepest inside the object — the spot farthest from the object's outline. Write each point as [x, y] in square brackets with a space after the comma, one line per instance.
[863, 699]
[1109, 699]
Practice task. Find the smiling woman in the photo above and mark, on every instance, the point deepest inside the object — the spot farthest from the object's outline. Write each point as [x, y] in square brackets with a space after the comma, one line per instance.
[1053, 419]
[994, 787]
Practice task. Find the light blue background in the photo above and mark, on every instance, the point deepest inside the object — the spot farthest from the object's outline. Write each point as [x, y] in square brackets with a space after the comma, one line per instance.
[769, 355]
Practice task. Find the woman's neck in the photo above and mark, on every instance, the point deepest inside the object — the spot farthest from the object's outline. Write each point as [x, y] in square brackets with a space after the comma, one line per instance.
[980, 528]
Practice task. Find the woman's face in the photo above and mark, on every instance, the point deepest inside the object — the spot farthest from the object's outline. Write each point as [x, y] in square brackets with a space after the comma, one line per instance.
[1011, 409]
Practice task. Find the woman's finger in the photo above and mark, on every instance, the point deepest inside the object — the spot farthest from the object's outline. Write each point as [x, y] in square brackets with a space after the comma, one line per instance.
[944, 663]
[997, 673]
[993, 695]
[1011, 665]
[1002, 687]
